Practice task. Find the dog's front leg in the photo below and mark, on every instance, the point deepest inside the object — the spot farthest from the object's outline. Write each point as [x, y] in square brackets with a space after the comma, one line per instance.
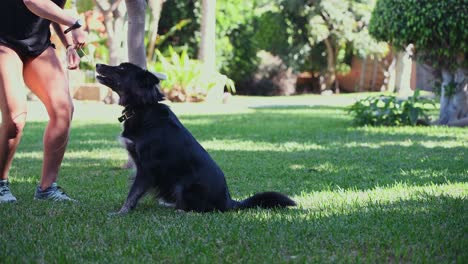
[138, 189]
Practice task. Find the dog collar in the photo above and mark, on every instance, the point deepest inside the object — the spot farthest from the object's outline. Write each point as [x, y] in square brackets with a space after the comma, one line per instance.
[126, 114]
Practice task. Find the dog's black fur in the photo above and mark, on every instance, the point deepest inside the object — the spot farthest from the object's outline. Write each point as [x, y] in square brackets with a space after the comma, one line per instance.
[166, 155]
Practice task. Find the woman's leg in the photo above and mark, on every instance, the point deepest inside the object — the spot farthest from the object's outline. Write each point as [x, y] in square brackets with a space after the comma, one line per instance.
[46, 78]
[12, 106]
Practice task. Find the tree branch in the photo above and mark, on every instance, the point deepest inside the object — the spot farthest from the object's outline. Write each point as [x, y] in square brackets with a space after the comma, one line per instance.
[105, 7]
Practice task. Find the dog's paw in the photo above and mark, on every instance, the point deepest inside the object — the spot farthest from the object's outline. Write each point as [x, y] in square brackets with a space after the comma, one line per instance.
[114, 214]
[123, 211]
[162, 202]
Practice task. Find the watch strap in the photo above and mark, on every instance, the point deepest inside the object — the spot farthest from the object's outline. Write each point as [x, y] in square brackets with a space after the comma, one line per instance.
[74, 26]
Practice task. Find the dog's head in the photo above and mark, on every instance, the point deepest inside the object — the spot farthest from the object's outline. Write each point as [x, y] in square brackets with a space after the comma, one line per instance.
[134, 85]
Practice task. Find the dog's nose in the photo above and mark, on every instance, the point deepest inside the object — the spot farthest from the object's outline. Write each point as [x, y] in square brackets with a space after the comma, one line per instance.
[98, 65]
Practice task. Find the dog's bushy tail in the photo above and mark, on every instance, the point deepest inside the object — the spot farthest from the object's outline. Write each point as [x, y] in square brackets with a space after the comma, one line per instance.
[265, 200]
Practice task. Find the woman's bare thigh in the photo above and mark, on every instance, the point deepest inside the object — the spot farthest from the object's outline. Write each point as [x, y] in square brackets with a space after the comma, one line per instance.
[12, 89]
[46, 78]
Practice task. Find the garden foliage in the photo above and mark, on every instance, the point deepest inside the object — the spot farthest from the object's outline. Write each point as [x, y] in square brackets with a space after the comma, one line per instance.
[388, 110]
[438, 29]
[187, 81]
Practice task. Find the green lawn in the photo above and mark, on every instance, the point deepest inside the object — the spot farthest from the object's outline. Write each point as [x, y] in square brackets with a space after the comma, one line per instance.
[365, 194]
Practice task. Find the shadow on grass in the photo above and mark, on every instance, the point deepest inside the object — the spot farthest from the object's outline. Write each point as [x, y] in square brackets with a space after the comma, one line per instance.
[305, 149]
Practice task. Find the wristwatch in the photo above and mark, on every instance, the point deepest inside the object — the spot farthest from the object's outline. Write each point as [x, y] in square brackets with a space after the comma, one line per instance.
[77, 24]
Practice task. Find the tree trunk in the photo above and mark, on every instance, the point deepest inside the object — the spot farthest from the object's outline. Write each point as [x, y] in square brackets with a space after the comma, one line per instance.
[119, 54]
[362, 78]
[206, 52]
[390, 74]
[136, 10]
[156, 8]
[454, 104]
[404, 84]
[330, 76]
[374, 73]
[114, 21]
[399, 70]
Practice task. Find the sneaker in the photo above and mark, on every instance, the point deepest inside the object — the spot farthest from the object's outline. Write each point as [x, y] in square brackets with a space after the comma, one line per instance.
[53, 193]
[5, 194]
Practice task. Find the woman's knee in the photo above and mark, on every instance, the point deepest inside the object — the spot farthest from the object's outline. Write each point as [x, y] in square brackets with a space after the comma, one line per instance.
[62, 111]
[13, 126]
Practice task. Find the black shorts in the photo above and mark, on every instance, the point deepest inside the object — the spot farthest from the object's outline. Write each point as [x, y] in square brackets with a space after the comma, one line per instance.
[23, 31]
[25, 51]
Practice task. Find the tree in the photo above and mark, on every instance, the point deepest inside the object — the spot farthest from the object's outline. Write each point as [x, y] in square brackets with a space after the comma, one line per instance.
[439, 32]
[207, 48]
[156, 8]
[114, 21]
[136, 10]
[399, 71]
[341, 26]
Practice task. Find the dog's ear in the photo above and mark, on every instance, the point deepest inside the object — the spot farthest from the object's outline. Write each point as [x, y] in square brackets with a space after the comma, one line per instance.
[149, 79]
[153, 82]
[148, 87]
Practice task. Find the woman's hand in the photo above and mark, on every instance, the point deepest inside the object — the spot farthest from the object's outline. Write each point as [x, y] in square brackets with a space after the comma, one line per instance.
[73, 59]
[79, 38]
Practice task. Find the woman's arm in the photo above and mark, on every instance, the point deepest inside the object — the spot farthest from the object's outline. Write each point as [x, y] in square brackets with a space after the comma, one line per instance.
[66, 39]
[49, 10]
[73, 60]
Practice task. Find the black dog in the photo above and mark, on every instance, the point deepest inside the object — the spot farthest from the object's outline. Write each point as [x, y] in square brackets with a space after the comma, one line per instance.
[167, 157]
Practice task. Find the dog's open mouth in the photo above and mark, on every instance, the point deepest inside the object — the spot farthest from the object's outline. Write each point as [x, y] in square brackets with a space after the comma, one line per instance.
[101, 77]
[108, 81]
[104, 80]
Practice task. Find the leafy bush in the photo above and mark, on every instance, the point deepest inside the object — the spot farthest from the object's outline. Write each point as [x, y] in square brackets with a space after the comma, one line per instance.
[83, 5]
[272, 77]
[390, 111]
[95, 52]
[271, 33]
[172, 14]
[235, 50]
[187, 81]
[244, 59]
[438, 29]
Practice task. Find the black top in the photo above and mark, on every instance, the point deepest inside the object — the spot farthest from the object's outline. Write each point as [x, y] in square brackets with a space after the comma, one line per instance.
[22, 30]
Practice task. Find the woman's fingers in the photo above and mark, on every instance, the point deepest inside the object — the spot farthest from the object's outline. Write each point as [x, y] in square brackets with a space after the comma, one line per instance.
[73, 59]
[79, 38]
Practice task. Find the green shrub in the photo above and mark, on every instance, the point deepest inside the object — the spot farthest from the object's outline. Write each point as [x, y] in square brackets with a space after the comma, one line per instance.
[271, 33]
[83, 5]
[438, 29]
[172, 14]
[244, 59]
[96, 51]
[385, 110]
[235, 48]
[186, 79]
